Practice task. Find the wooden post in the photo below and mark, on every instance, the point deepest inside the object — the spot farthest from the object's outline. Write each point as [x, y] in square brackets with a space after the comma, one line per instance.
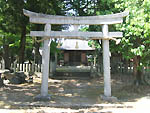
[106, 63]
[33, 67]
[66, 58]
[24, 67]
[29, 68]
[51, 69]
[21, 67]
[94, 61]
[15, 65]
[56, 60]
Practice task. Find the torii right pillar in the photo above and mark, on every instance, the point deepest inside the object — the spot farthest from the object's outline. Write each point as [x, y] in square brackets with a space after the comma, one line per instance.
[106, 62]
[106, 65]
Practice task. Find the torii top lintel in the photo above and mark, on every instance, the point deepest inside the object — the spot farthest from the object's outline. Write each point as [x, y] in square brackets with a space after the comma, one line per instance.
[82, 20]
[39, 18]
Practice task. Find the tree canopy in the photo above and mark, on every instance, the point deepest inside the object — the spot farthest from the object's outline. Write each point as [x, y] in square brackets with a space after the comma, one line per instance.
[14, 26]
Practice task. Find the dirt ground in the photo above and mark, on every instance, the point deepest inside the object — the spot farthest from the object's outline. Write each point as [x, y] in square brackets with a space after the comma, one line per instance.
[76, 95]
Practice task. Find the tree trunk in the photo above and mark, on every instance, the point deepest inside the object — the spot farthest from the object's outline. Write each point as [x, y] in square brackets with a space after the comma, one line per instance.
[126, 63]
[1, 82]
[136, 71]
[6, 54]
[38, 57]
[135, 65]
[22, 44]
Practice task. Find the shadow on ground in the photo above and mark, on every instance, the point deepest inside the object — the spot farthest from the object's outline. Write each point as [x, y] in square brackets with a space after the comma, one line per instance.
[70, 92]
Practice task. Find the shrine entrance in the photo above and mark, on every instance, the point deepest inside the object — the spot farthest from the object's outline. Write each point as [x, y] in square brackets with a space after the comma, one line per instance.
[47, 35]
[75, 58]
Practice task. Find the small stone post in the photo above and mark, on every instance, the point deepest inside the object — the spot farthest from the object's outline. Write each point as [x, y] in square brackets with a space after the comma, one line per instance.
[15, 64]
[94, 61]
[45, 67]
[106, 63]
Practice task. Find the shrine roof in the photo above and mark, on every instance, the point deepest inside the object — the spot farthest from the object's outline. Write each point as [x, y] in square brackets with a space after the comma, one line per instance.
[74, 44]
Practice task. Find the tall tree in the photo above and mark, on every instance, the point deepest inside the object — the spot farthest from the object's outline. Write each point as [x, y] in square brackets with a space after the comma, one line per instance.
[7, 29]
[12, 20]
[136, 28]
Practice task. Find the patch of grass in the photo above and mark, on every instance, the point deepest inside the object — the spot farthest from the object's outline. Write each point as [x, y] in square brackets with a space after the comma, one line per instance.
[131, 92]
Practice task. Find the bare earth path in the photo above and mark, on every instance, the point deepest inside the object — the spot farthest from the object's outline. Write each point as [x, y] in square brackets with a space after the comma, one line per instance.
[76, 95]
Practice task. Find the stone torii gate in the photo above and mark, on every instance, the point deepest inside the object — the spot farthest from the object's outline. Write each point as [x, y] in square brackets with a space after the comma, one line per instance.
[47, 35]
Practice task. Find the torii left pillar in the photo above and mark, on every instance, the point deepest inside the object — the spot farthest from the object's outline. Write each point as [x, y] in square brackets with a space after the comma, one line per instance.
[45, 70]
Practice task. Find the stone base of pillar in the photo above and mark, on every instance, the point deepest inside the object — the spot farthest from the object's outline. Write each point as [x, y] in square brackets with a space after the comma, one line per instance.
[109, 99]
[42, 98]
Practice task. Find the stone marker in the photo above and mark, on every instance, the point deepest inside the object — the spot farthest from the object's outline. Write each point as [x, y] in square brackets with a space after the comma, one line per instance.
[1, 79]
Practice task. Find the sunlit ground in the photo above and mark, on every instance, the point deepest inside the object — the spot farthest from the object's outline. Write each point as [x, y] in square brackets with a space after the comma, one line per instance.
[73, 95]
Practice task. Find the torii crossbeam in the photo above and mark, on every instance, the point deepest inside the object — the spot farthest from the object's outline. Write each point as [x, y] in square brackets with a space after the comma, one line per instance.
[47, 34]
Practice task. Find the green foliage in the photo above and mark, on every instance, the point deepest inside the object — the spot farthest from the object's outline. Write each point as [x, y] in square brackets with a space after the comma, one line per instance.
[13, 21]
[54, 48]
[136, 28]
